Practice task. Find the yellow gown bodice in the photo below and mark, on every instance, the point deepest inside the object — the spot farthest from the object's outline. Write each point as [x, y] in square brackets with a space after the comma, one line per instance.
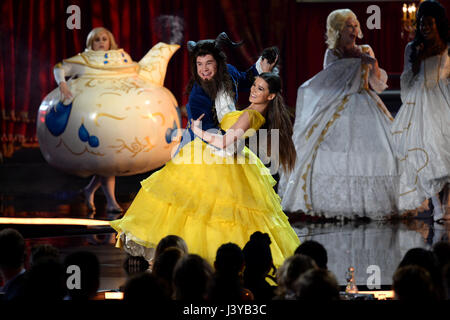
[256, 120]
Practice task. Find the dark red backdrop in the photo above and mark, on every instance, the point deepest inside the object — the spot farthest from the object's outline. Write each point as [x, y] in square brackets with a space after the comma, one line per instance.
[34, 37]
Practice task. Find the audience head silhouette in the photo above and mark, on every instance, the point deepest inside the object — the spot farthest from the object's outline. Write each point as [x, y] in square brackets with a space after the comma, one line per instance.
[317, 284]
[143, 288]
[258, 263]
[413, 283]
[227, 283]
[257, 254]
[12, 249]
[43, 251]
[441, 251]
[12, 258]
[314, 250]
[45, 281]
[289, 272]
[170, 241]
[89, 268]
[164, 266]
[192, 278]
[229, 259]
[427, 260]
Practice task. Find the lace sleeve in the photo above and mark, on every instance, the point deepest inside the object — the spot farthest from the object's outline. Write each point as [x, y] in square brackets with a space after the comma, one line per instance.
[66, 69]
[377, 84]
[329, 58]
[406, 63]
[407, 77]
[60, 71]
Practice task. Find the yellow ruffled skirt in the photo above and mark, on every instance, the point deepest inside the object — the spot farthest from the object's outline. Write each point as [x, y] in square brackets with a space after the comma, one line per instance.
[209, 200]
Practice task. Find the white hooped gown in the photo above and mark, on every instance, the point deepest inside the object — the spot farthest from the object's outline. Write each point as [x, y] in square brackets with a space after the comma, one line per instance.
[346, 165]
[421, 130]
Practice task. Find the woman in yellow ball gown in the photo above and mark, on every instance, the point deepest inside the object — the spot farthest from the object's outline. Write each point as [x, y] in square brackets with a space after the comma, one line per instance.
[210, 195]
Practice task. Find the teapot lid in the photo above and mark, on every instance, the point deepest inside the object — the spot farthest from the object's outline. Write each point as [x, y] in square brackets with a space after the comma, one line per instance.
[103, 59]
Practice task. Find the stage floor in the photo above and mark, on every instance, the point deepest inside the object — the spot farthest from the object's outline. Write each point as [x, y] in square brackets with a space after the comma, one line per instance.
[30, 188]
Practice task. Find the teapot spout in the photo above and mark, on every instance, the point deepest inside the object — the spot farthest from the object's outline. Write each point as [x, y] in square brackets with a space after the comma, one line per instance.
[154, 63]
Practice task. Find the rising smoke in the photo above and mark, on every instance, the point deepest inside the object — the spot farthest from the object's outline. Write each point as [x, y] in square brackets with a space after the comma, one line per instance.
[169, 28]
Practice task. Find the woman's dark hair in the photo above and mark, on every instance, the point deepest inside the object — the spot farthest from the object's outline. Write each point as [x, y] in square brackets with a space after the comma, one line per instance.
[429, 8]
[279, 117]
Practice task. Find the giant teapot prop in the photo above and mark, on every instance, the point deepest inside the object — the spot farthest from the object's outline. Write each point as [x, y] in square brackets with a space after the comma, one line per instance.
[121, 120]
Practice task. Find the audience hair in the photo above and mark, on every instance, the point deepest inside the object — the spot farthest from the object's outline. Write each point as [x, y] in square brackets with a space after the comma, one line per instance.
[43, 251]
[441, 251]
[164, 266]
[170, 241]
[227, 280]
[317, 284]
[89, 271]
[12, 249]
[292, 268]
[316, 251]
[192, 278]
[144, 288]
[446, 277]
[427, 260]
[258, 264]
[413, 283]
[257, 254]
[45, 281]
[229, 259]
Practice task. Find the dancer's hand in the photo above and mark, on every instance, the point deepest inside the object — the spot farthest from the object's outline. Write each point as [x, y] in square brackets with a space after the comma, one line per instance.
[65, 91]
[266, 66]
[367, 59]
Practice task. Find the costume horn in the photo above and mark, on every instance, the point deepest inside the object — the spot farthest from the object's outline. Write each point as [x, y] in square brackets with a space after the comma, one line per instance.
[191, 46]
[223, 39]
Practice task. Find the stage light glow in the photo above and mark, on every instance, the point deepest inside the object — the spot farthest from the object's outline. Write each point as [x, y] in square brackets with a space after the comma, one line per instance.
[380, 294]
[113, 295]
[54, 221]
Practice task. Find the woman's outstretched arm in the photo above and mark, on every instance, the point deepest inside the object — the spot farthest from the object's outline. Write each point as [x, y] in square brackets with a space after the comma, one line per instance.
[219, 140]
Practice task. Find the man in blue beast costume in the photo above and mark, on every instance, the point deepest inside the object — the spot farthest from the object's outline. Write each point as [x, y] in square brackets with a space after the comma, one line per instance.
[214, 84]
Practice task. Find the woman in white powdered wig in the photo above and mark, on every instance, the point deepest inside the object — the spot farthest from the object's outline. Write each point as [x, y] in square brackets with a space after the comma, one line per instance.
[346, 165]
